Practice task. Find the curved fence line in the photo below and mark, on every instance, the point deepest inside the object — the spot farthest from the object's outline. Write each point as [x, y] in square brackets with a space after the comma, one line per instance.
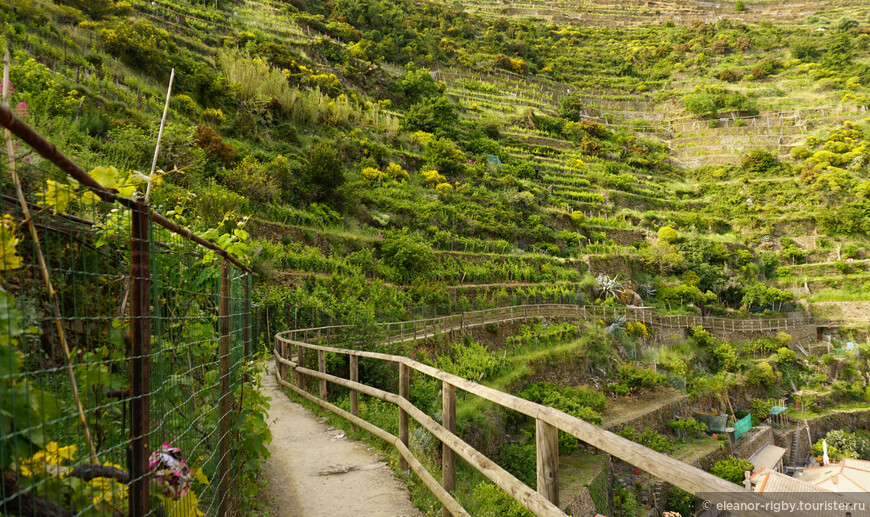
[291, 346]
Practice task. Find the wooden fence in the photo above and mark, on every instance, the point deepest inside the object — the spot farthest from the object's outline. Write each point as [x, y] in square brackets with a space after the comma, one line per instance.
[291, 347]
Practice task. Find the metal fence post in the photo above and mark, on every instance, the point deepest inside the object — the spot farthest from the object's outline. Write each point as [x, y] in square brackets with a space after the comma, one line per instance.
[224, 400]
[140, 362]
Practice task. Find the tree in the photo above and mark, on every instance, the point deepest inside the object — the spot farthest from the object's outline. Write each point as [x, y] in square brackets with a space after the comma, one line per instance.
[417, 84]
[445, 156]
[408, 254]
[664, 257]
[732, 469]
[437, 116]
[324, 172]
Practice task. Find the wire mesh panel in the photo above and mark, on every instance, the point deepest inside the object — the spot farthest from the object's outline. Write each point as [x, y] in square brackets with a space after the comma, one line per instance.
[123, 351]
[49, 341]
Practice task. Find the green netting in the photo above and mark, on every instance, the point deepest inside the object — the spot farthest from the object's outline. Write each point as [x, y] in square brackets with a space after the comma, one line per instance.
[716, 423]
[742, 426]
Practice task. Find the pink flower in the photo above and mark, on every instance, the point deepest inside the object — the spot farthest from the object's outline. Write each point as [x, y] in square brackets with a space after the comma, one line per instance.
[21, 110]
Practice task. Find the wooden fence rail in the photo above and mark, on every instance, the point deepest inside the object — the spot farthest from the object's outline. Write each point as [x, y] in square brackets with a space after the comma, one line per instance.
[291, 346]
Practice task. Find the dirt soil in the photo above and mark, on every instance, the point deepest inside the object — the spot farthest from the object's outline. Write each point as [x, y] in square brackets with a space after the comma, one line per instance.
[314, 471]
[625, 409]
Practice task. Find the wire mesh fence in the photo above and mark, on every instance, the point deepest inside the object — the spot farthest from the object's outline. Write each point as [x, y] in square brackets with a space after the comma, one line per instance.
[124, 351]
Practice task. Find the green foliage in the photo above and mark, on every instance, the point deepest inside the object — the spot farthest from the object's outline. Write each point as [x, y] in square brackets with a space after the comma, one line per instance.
[443, 154]
[250, 179]
[324, 172]
[707, 101]
[417, 84]
[739, 6]
[759, 161]
[137, 42]
[686, 427]
[470, 361]
[846, 443]
[640, 377]
[432, 115]
[681, 501]
[726, 356]
[624, 502]
[759, 409]
[488, 500]
[23, 405]
[408, 254]
[786, 356]
[648, 438]
[520, 460]
[732, 469]
[578, 402]
[667, 234]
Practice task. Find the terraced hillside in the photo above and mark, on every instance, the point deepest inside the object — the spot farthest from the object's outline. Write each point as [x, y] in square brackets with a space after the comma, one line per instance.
[387, 160]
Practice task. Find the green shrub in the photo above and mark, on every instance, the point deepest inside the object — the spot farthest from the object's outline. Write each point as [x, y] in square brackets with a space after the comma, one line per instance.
[409, 254]
[521, 461]
[732, 469]
[624, 502]
[488, 500]
[648, 438]
[731, 75]
[759, 161]
[726, 356]
[640, 377]
[786, 356]
[667, 234]
[249, 178]
[324, 173]
[618, 389]
[688, 427]
[470, 361]
[759, 409]
[681, 501]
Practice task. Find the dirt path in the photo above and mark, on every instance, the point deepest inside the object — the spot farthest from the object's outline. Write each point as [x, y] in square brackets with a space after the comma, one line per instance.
[626, 409]
[315, 472]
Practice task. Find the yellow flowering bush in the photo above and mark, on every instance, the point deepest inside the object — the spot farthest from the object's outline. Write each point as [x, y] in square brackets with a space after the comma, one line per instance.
[9, 258]
[371, 175]
[395, 172]
[432, 177]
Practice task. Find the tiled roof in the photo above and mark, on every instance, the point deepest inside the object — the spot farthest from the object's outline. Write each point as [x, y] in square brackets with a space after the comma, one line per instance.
[851, 475]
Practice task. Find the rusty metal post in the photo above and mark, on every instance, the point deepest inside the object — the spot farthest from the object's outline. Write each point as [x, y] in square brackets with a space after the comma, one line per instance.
[224, 400]
[140, 362]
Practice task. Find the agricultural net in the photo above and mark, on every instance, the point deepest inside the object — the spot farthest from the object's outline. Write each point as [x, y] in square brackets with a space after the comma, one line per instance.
[49, 467]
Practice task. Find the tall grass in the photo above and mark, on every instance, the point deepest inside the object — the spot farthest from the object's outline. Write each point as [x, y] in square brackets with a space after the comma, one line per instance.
[260, 83]
[838, 295]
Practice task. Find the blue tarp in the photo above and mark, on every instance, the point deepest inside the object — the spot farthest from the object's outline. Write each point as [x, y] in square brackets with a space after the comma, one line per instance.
[775, 410]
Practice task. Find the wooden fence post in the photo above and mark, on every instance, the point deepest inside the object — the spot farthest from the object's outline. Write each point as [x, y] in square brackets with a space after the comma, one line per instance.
[224, 400]
[404, 392]
[300, 363]
[321, 366]
[354, 395]
[547, 438]
[448, 457]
